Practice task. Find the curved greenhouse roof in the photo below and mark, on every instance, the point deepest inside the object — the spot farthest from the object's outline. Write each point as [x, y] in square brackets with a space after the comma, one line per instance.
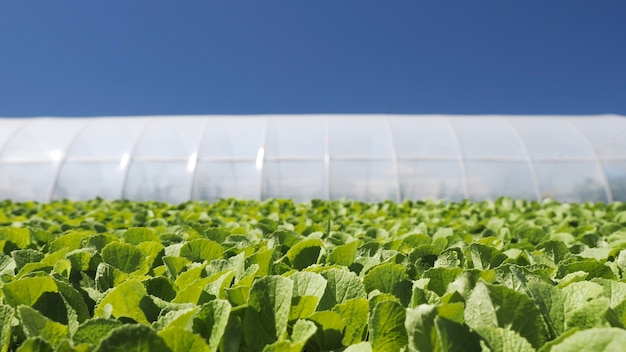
[365, 157]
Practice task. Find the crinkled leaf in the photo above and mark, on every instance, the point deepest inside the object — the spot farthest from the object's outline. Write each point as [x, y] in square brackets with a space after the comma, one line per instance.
[70, 241]
[6, 320]
[160, 286]
[137, 235]
[308, 289]
[178, 318]
[133, 337]
[25, 256]
[35, 324]
[385, 277]
[341, 285]
[355, 314]
[303, 330]
[455, 337]
[268, 311]
[200, 250]
[595, 339]
[35, 344]
[386, 327]
[485, 257]
[499, 306]
[94, 330]
[27, 290]
[329, 334]
[344, 254]
[584, 305]
[180, 340]
[211, 320]
[504, 340]
[440, 278]
[126, 300]
[18, 235]
[305, 253]
[359, 347]
[125, 257]
[420, 328]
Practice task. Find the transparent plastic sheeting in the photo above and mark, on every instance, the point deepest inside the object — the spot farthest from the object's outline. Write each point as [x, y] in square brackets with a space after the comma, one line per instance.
[369, 157]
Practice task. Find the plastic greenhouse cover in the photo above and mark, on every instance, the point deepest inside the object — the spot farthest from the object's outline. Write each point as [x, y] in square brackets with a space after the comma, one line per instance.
[365, 157]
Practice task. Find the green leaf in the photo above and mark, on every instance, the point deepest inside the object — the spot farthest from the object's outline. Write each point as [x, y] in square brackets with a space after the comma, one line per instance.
[151, 250]
[592, 267]
[420, 328]
[81, 259]
[344, 254]
[504, 340]
[7, 265]
[595, 339]
[211, 320]
[341, 285]
[359, 347]
[70, 241]
[530, 233]
[386, 327]
[37, 325]
[18, 235]
[73, 299]
[440, 278]
[216, 234]
[263, 258]
[175, 265]
[308, 289]
[500, 306]
[268, 311]
[615, 291]
[455, 337]
[466, 281]
[551, 302]
[308, 284]
[385, 277]
[25, 256]
[200, 250]
[94, 330]
[27, 290]
[485, 257]
[584, 305]
[180, 340]
[137, 235]
[450, 258]
[305, 253]
[190, 275]
[355, 314]
[6, 320]
[35, 344]
[218, 283]
[160, 286]
[133, 338]
[302, 307]
[178, 318]
[329, 334]
[125, 257]
[125, 300]
[303, 330]
[194, 292]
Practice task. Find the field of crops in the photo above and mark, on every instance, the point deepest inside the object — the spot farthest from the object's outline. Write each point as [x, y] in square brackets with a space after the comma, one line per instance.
[235, 275]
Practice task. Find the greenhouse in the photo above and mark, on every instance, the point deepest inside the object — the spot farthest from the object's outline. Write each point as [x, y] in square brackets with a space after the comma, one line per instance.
[302, 157]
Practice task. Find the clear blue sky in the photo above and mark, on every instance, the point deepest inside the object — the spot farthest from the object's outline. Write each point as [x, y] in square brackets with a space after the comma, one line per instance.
[124, 57]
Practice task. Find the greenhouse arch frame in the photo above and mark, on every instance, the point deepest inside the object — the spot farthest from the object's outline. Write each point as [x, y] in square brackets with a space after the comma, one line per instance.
[364, 157]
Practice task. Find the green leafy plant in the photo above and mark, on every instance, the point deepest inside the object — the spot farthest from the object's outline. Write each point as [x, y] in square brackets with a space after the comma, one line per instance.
[235, 275]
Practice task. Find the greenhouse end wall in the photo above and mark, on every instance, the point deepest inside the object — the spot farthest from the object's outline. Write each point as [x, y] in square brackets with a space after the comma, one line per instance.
[363, 157]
